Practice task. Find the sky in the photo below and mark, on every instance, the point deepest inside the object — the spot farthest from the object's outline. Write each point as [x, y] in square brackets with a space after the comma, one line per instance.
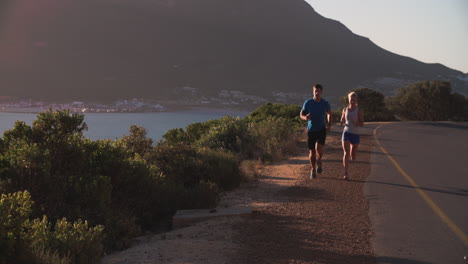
[431, 31]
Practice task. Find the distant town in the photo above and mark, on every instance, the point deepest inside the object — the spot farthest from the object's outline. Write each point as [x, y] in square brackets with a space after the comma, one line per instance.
[33, 106]
[186, 98]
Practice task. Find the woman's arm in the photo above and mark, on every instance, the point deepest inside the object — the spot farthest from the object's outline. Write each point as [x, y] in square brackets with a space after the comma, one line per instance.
[360, 121]
[343, 118]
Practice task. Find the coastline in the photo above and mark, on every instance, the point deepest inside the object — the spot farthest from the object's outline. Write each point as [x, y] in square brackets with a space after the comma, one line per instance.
[117, 124]
[167, 109]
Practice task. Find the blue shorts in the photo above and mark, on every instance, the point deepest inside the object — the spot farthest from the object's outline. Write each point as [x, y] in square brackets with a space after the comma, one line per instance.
[353, 138]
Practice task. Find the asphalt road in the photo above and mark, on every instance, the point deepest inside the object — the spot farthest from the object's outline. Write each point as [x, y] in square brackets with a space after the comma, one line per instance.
[418, 192]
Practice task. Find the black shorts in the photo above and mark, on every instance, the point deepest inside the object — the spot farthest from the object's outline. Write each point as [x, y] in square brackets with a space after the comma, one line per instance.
[316, 137]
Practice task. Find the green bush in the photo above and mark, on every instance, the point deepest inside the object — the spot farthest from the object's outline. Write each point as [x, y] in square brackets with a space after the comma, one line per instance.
[176, 136]
[73, 177]
[69, 188]
[137, 142]
[220, 168]
[76, 241]
[15, 209]
[196, 130]
[459, 109]
[188, 166]
[25, 241]
[178, 163]
[244, 136]
[193, 133]
[274, 138]
[290, 112]
[231, 134]
[429, 101]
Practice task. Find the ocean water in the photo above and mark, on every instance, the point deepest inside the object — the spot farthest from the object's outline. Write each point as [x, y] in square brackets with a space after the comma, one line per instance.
[116, 125]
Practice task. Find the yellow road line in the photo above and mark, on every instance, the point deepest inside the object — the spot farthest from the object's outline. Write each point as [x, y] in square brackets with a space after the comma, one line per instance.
[425, 197]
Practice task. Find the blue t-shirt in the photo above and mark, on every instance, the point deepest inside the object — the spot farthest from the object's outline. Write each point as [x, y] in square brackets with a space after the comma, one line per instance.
[318, 112]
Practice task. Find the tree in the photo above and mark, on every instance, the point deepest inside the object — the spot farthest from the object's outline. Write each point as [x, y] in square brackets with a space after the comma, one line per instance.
[429, 101]
[137, 141]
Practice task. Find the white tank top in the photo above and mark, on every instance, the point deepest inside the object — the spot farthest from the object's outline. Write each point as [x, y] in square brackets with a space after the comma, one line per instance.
[354, 117]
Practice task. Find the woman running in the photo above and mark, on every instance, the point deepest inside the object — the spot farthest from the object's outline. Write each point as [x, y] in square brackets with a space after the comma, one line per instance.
[353, 118]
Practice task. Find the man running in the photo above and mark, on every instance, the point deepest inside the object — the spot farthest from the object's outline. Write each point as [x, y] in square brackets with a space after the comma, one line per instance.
[319, 115]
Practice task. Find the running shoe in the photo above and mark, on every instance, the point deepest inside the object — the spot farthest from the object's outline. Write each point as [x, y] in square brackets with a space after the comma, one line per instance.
[313, 174]
[319, 166]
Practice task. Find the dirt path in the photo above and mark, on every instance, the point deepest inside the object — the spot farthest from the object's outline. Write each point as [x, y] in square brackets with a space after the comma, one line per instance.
[294, 219]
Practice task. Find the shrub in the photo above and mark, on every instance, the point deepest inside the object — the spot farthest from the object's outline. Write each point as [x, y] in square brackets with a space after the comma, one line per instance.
[459, 109]
[178, 163]
[176, 136]
[429, 101]
[15, 209]
[221, 168]
[231, 134]
[274, 138]
[290, 112]
[188, 166]
[22, 240]
[196, 176]
[196, 130]
[73, 177]
[75, 241]
[137, 142]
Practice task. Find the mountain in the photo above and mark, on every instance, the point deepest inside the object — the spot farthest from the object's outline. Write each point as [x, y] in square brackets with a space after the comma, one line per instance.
[105, 49]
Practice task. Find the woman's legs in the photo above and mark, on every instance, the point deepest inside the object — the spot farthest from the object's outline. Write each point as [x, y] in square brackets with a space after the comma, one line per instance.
[346, 155]
[354, 148]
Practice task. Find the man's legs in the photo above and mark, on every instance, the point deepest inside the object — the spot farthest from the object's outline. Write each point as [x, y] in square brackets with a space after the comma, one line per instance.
[319, 148]
[312, 158]
[311, 140]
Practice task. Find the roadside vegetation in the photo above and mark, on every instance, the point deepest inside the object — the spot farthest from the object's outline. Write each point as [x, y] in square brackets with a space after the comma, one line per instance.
[429, 101]
[67, 199]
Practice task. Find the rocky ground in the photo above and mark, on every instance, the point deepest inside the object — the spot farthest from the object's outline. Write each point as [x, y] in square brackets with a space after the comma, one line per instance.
[294, 219]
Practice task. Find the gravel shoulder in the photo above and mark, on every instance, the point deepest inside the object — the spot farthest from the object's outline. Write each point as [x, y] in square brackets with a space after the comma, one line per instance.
[294, 219]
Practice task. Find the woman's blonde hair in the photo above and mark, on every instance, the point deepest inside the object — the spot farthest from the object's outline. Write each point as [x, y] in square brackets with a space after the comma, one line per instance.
[352, 94]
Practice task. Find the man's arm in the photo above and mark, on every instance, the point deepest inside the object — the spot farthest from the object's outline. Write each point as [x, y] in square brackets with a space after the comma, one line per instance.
[304, 116]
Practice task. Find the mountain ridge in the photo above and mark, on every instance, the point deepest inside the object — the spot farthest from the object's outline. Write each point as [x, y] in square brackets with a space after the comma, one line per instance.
[140, 48]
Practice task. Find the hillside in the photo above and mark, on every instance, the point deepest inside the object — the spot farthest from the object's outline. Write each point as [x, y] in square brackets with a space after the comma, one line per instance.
[105, 49]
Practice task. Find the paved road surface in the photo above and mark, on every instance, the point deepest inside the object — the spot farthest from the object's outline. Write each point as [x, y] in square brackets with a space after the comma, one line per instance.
[407, 228]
